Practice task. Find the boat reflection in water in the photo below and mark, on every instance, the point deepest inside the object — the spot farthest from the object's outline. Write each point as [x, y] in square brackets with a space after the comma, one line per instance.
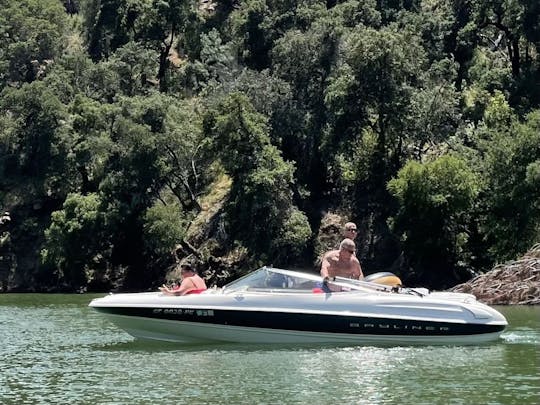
[272, 305]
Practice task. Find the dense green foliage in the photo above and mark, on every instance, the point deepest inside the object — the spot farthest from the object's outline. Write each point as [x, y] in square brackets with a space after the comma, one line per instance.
[419, 120]
[262, 182]
[435, 199]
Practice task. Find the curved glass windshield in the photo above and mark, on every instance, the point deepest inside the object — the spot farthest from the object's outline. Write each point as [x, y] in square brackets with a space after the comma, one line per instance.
[275, 280]
[270, 278]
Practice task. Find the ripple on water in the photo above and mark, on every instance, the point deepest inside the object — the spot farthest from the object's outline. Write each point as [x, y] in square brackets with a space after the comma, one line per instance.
[522, 336]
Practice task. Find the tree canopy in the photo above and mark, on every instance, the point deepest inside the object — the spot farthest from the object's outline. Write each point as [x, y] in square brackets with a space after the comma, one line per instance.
[134, 133]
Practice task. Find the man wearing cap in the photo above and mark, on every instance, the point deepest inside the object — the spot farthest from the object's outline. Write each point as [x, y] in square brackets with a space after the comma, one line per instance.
[342, 262]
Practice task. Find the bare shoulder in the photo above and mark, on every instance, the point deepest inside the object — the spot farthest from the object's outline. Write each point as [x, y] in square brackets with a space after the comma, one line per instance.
[332, 254]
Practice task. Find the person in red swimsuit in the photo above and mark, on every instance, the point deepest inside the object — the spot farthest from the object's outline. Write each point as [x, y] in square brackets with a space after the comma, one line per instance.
[191, 283]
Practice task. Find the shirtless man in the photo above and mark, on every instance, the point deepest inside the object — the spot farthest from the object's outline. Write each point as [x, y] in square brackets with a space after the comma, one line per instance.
[342, 262]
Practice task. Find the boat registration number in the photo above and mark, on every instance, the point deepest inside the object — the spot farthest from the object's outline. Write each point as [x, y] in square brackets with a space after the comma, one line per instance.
[184, 311]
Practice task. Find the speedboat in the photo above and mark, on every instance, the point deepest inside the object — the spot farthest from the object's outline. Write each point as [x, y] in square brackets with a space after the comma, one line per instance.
[273, 305]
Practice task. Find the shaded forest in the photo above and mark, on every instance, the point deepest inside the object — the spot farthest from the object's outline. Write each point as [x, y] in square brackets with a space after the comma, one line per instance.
[135, 133]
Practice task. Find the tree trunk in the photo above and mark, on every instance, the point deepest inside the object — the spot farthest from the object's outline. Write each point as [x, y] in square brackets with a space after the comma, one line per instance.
[164, 60]
[513, 50]
[163, 65]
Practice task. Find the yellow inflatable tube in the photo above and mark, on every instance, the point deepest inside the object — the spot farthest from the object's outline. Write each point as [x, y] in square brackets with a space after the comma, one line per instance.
[384, 278]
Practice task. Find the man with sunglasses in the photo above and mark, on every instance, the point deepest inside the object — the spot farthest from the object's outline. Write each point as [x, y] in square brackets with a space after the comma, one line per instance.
[350, 231]
[342, 262]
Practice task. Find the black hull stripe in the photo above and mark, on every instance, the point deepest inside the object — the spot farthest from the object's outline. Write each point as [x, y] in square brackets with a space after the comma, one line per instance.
[308, 322]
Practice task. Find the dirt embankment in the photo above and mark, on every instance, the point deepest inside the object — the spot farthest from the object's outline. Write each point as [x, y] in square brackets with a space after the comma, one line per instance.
[516, 282]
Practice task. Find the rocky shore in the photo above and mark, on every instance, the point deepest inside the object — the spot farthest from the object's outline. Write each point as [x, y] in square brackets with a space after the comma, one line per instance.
[512, 283]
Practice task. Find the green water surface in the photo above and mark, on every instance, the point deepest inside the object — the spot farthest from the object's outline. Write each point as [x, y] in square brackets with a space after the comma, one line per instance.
[56, 350]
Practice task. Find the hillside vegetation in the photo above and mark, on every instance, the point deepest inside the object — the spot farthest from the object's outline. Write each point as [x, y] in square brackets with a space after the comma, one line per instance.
[136, 133]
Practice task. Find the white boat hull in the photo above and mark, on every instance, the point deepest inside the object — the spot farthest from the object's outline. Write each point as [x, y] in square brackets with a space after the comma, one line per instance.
[200, 333]
[249, 312]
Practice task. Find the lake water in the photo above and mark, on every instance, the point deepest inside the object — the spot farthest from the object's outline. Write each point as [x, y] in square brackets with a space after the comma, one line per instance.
[56, 350]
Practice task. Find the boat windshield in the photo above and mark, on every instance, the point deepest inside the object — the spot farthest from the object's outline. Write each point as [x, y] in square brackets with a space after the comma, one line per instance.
[271, 278]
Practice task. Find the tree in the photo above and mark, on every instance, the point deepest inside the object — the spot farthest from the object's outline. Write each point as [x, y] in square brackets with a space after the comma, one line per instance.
[185, 158]
[32, 35]
[512, 189]
[164, 226]
[434, 114]
[76, 240]
[372, 91]
[110, 24]
[305, 60]
[134, 64]
[462, 40]
[160, 24]
[434, 201]
[92, 123]
[251, 25]
[531, 21]
[34, 137]
[260, 208]
[500, 20]
[214, 67]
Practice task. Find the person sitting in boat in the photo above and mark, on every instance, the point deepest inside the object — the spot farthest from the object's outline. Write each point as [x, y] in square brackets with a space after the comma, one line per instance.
[191, 283]
[342, 262]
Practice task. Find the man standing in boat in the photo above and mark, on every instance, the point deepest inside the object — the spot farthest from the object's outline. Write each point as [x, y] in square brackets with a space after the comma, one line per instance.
[350, 231]
[342, 262]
